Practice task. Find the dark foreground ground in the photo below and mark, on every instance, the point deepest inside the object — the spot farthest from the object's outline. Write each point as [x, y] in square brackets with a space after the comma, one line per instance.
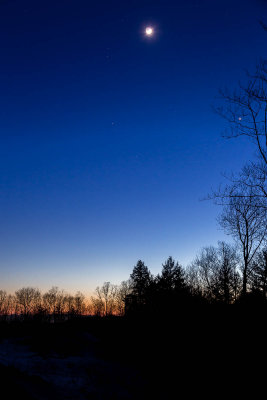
[210, 353]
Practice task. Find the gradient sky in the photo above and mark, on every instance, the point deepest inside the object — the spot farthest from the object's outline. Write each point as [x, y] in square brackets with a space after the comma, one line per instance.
[108, 138]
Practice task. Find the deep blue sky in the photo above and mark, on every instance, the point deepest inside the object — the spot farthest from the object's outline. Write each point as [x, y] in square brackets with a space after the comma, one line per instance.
[108, 139]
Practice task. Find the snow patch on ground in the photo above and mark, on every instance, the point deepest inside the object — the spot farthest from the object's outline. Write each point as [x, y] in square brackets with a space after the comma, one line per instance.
[78, 376]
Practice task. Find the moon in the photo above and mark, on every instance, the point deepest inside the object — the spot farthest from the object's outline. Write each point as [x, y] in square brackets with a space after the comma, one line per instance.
[149, 31]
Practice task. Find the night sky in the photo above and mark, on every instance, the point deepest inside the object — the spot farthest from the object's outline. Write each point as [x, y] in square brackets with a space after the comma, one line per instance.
[108, 138]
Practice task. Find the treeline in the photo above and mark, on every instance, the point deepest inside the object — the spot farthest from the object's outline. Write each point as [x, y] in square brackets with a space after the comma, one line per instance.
[216, 276]
[29, 302]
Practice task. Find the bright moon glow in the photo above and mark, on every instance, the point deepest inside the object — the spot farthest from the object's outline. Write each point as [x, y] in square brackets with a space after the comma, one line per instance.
[149, 31]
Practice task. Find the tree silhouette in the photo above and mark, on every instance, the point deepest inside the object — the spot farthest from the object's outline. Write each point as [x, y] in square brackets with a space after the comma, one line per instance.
[3, 299]
[259, 274]
[247, 223]
[170, 288]
[79, 303]
[123, 291]
[98, 307]
[226, 279]
[214, 273]
[28, 299]
[246, 113]
[141, 281]
[206, 264]
[107, 295]
[172, 276]
[55, 302]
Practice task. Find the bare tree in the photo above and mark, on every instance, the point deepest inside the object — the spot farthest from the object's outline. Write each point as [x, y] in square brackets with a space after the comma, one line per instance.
[121, 295]
[60, 303]
[193, 280]
[259, 274]
[28, 299]
[206, 264]
[69, 305]
[10, 305]
[226, 286]
[55, 302]
[79, 303]
[214, 274]
[107, 295]
[74, 305]
[50, 299]
[245, 110]
[247, 224]
[3, 298]
[98, 307]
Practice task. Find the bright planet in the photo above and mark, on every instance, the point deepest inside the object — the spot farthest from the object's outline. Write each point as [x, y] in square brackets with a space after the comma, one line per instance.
[149, 31]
